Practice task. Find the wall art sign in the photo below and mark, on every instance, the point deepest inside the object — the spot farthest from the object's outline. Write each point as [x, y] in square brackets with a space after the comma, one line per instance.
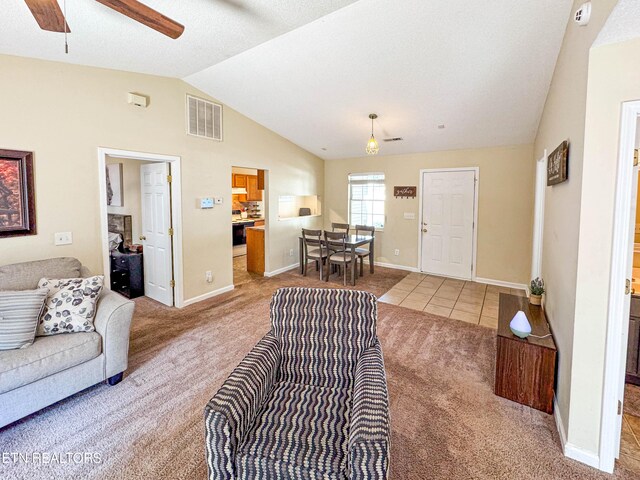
[557, 168]
[404, 192]
[17, 198]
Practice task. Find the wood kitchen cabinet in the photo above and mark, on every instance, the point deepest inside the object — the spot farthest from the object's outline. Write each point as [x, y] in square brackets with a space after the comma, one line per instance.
[238, 180]
[255, 249]
[253, 193]
[260, 179]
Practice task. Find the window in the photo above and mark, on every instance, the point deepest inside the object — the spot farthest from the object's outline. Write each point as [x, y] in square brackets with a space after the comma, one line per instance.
[366, 199]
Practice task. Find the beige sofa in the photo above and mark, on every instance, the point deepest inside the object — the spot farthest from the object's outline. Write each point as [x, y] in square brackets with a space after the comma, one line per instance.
[57, 366]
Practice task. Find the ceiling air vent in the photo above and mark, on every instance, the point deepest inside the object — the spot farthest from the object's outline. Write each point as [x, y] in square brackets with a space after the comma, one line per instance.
[394, 139]
[204, 118]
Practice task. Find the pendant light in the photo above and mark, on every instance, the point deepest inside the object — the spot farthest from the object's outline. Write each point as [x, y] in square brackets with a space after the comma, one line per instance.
[372, 145]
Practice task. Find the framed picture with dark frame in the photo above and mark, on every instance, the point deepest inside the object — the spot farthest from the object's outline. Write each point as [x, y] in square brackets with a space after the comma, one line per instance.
[17, 197]
[557, 165]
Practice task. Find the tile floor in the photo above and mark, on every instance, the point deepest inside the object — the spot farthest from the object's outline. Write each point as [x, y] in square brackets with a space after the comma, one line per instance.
[448, 297]
[630, 443]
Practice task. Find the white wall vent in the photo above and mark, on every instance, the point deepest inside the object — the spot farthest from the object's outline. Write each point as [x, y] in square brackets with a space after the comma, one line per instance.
[204, 118]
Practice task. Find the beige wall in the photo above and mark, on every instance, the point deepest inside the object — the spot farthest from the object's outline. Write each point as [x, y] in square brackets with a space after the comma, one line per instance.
[504, 214]
[132, 204]
[614, 77]
[563, 118]
[64, 112]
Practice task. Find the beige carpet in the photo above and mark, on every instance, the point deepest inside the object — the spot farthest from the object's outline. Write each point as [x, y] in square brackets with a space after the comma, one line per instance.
[446, 422]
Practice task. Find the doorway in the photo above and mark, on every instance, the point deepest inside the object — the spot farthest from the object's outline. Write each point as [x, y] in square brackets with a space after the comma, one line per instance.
[248, 223]
[448, 219]
[620, 340]
[141, 224]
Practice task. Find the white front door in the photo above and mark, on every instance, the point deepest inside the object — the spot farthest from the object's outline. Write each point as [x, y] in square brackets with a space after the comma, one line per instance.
[156, 222]
[447, 222]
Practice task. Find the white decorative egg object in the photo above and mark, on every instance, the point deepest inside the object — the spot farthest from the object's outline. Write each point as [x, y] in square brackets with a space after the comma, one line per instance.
[520, 326]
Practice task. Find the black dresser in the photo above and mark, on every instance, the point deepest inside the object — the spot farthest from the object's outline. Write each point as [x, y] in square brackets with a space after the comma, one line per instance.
[633, 345]
[127, 275]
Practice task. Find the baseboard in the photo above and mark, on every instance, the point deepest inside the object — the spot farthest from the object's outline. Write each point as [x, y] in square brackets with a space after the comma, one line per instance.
[394, 266]
[500, 283]
[570, 450]
[559, 424]
[281, 270]
[207, 295]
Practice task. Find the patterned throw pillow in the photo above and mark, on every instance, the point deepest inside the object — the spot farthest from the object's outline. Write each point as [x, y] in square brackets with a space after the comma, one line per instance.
[19, 314]
[70, 306]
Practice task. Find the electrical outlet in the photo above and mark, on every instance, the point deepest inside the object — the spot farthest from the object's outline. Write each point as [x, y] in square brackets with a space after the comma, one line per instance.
[208, 276]
[396, 252]
[63, 238]
[291, 252]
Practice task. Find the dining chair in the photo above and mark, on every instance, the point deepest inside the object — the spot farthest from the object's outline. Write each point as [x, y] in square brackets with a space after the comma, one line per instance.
[314, 250]
[363, 252]
[337, 248]
[340, 227]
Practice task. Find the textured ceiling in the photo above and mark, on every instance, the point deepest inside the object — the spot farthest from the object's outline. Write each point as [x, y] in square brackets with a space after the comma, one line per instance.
[214, 31]
[481, 67]
[312, 71]
[623, 24]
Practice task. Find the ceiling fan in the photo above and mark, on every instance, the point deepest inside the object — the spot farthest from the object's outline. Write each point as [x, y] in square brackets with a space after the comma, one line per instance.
[50, 17]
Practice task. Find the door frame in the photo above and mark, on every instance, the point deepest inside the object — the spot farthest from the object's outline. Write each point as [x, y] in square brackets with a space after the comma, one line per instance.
[476, 171]
[538, 215]
[617, 322]
[267, 214]
[176, 212]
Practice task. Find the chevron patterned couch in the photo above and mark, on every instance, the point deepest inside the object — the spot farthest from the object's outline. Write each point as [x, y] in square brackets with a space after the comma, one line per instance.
[310, 400]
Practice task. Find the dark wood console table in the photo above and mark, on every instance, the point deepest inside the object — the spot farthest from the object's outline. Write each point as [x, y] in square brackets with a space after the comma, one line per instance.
[525, 368]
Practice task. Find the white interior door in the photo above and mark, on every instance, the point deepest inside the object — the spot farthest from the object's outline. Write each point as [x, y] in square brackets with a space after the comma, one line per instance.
[156, 222]
[627, 302]
[448, 199]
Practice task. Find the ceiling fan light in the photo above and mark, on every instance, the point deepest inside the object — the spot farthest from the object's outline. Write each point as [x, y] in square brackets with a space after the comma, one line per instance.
[372, 146]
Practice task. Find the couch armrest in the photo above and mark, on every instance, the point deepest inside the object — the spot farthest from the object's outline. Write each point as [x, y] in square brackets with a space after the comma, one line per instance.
[369, 428]
[232, 411]
[113, 322]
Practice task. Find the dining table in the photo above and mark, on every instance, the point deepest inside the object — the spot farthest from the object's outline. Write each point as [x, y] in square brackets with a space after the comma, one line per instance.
[351, 242]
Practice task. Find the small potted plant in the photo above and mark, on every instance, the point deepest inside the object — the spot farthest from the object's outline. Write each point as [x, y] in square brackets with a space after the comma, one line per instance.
[537, 289]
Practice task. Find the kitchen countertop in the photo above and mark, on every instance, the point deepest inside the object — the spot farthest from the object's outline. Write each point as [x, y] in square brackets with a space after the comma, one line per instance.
[247, 220]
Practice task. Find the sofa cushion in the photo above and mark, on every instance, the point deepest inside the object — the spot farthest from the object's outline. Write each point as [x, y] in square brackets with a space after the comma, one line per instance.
[46, 356]
[301, 432]
[71, 304]
[19, 315]
[25, 276]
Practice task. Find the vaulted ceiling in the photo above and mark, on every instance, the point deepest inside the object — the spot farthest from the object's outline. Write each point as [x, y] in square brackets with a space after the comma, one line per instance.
[214, 31]
[312, 71]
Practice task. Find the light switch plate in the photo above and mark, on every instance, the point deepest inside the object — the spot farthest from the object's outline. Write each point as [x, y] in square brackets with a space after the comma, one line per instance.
[63, 238]
[409, 216]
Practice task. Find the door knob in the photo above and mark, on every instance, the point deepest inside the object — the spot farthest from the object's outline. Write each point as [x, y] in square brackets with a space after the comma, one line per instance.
[142, 237]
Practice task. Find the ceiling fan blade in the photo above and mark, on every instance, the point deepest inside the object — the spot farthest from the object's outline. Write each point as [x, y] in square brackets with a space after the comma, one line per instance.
[48, 15]
[146, 15]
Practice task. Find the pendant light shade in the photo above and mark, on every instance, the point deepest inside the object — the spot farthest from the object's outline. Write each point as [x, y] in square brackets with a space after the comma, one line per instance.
[372, 145]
